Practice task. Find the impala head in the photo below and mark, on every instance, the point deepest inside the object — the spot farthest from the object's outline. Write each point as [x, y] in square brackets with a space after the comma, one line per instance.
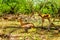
[20, 17]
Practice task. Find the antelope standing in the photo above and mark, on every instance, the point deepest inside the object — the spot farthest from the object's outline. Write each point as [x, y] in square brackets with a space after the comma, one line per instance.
[43, 16]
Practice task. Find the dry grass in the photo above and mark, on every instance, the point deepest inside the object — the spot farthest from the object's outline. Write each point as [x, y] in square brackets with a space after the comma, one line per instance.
[34, 34]
[16, 23]
[8, 23]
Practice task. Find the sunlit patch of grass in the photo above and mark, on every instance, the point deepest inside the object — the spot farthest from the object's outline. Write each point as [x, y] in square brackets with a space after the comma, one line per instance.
[9, 30]
[32, 30]
[18, 31]
[57, 23]
[8, 23]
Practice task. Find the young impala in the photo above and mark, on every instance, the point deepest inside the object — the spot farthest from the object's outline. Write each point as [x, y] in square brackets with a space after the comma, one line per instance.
[25, 25]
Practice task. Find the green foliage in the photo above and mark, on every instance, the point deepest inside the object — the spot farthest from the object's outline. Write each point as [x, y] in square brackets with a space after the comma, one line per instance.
[37, 7]
[49, 7]
[5, 8]
[1, 1]
[28, 6]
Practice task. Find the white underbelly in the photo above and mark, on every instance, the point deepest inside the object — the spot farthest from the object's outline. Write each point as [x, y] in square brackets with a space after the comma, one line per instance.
[28, 25]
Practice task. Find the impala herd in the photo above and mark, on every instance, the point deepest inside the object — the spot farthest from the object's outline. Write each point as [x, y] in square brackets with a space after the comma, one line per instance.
[25, 24]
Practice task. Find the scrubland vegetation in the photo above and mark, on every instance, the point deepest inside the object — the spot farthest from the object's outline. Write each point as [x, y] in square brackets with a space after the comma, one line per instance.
[30, 19]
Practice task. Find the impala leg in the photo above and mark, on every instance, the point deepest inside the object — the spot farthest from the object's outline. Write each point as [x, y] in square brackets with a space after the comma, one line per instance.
[26, 29]
[42, 22]
[49, 24]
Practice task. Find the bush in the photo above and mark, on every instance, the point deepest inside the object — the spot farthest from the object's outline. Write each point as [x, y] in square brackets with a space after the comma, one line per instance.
[28, 6]
[49, 7]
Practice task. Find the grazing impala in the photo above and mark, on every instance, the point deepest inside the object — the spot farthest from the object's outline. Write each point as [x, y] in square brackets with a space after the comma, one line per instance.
[25, 25]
